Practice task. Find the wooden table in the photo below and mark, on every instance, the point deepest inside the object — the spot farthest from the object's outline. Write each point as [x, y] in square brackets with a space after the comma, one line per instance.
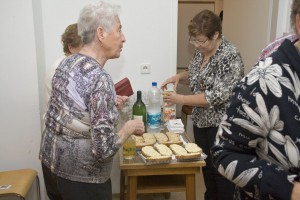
[158, 178]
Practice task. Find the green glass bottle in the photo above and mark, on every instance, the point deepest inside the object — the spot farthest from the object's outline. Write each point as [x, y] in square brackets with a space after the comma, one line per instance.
[139, 109]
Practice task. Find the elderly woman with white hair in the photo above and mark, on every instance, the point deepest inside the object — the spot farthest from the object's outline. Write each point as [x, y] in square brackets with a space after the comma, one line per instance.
[79, 140]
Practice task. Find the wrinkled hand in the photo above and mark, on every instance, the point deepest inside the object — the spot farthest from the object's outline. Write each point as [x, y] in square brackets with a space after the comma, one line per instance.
[296, 191]
[174, 79]
[121, 101]
[172, 98]
[135, 126]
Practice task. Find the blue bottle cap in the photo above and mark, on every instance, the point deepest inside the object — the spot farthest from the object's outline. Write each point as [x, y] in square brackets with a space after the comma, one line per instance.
[154, 83]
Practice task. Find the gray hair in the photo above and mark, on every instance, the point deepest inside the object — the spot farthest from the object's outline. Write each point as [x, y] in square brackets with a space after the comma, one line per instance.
[94, 15]
[295, 9]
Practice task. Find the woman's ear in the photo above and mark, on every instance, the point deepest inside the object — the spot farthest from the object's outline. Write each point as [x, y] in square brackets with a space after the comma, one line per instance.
[216, 35]
[100, 33]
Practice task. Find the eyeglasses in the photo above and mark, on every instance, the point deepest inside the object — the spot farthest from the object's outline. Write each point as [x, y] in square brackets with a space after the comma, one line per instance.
[197, 42]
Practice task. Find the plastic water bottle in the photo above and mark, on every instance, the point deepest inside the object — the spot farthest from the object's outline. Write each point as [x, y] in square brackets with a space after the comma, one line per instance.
[154, 109]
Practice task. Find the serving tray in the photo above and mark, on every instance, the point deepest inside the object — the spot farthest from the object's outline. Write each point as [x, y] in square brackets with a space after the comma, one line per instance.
[153, 162]
[184, 141]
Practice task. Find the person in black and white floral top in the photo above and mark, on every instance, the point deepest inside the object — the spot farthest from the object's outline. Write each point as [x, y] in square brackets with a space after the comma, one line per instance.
[258, 141]
[213, 72]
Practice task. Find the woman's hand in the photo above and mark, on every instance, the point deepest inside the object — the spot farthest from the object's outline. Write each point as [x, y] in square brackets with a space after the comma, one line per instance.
[296, 191]
[135, 126]
[174, 79]
[173, 98]
[121, 101]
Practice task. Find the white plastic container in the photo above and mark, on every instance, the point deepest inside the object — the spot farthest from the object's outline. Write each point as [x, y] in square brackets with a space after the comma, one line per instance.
[154, 109]
[169, 112]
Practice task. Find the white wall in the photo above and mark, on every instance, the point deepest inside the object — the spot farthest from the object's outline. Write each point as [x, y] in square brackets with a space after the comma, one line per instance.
[19, 97]
[150, 28]
[30, 43]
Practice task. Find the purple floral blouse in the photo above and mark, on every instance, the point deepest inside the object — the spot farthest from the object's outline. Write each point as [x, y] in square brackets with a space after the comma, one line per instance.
[79, 139]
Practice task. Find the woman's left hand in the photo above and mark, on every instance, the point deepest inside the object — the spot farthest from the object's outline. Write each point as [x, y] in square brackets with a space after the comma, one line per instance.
[121, 101]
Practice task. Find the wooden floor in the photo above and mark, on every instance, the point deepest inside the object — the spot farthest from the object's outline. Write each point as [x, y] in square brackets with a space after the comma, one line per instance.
[200, 189]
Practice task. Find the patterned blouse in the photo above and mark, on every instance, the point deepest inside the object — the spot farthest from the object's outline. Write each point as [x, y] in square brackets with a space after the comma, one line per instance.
[217, 80]
[258, 139]
[78, 141]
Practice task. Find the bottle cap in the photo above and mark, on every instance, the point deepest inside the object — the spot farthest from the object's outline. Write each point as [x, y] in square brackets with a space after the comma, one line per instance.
[154, 83]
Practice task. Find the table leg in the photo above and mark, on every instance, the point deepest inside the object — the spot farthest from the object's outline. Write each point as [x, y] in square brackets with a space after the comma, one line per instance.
[122, 185]
[131, 187]
[190, 183]
[167, 195]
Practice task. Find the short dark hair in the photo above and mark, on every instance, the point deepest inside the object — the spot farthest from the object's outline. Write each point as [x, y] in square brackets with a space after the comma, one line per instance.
[205, 23]
[70, 37]
[221, 15]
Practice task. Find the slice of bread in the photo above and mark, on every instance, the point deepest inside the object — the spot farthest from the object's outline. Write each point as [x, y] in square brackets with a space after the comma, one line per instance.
[178, 150]
[193, 148]
[151, 155]
[161, 137]
[163, 149]
[149, 151]
[149, 138]
[138, 139]
[173, 137]
[181, 153]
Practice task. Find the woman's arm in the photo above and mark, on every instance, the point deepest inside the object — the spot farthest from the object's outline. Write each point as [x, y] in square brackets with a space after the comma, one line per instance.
[175, 79]
[229, 73]
[192, 100]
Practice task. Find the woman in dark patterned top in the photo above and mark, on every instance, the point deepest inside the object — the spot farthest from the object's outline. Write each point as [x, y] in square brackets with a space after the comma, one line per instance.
[213, 72]
[258, 141]
[80, 139]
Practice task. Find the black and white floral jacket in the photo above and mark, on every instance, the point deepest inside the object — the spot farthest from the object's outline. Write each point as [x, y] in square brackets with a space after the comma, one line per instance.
[258, 139]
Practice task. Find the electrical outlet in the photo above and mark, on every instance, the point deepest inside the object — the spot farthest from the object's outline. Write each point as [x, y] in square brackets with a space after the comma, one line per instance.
[145, 68]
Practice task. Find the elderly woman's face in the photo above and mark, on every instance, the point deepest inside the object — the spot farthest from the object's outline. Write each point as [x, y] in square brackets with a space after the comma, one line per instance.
[114, 41]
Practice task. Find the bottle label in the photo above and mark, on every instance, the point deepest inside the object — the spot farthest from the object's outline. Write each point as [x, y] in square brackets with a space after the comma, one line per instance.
[169, 113]
[154, 120]
[138, 117]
